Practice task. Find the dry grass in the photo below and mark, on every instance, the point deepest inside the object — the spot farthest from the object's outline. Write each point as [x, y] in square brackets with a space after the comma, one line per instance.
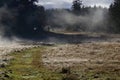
[87, 52]
[87, 60]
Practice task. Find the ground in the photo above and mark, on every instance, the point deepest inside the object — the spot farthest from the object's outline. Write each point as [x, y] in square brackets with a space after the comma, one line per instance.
[77, 57]
[86, 59]
[102, 52]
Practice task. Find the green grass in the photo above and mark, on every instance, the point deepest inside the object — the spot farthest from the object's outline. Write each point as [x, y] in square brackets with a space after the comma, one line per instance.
[27, 65]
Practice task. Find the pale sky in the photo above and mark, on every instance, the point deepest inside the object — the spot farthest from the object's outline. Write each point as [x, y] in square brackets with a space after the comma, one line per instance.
[68, 3]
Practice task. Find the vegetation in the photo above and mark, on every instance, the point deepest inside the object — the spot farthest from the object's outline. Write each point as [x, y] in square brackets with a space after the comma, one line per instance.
[115, 16]
[76, 7]
[27, 65]
[20, 16]
[86, 61]
[94, 19]
[83, 59]
[79, 15]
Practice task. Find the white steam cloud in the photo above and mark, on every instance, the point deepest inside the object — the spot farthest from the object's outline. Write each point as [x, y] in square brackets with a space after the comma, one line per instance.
[2, 11]
[94, 21]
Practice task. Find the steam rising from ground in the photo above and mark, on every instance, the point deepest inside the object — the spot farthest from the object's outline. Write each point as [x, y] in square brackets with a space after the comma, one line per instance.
[5, 20]
[3, 41]
[95, 20]
[2, 11]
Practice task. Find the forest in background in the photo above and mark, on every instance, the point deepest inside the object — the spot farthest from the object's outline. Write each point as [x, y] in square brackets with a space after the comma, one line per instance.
[24, 18]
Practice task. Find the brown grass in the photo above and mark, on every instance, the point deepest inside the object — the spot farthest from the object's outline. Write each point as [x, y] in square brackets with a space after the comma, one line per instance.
[87, 52]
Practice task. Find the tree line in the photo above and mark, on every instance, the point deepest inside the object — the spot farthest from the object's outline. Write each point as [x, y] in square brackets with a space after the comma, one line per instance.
[109, 23]
[22, 17]
[26, 18]
[78, 18]
[114, 12]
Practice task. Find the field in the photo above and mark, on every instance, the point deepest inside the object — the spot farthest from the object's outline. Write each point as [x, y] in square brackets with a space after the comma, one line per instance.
[98, 58]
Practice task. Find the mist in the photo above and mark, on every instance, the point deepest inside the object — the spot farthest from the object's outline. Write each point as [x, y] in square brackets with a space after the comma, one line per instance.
[94, 20]
[2, 12]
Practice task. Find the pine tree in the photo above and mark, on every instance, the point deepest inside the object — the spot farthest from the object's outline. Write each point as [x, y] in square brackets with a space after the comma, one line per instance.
[77, 6]
[115, 15]
[29, 18]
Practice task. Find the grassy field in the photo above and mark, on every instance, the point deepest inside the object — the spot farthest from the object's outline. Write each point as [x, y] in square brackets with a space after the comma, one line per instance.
[87, 61]
[27, 65]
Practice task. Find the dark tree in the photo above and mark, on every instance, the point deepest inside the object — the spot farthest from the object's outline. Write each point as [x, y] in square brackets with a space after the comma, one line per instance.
[115, 16]
[29, 18]
[77, 6]
[1, 3]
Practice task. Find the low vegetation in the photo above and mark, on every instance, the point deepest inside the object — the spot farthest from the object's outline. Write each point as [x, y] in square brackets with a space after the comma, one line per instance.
[59, 63]
[85, 61]
[27, 65]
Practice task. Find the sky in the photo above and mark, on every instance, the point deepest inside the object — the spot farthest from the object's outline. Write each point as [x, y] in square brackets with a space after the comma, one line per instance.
[68, 3]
